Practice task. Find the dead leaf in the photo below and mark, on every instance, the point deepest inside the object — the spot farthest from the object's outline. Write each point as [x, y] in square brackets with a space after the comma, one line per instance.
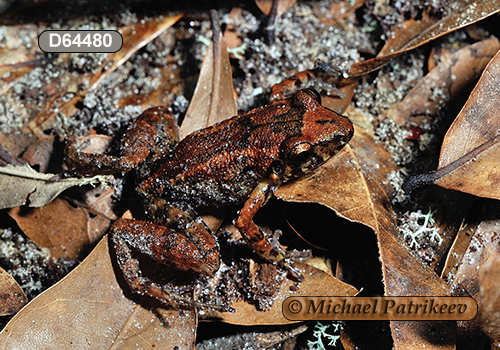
[88, 309]
[316, 282]
[414, 33]
[477, 122]
[39, 153]
[12, 297]
[444, 82]
[11, 73]
[470, 154]
[266, 5]
[213, 99]
[64, 229]
[17, 141]
[489, 277]
[484, 246]
[23, 185]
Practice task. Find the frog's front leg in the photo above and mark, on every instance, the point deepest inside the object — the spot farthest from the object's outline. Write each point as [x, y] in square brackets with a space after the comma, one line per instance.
[194, 249]
[253, 234]
[153, 131]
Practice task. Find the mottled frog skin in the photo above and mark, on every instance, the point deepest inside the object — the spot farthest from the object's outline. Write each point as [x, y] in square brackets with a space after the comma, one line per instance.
[239, 161]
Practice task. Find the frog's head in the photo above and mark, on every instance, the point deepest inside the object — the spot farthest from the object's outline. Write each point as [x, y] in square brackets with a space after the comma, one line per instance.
[323, 133]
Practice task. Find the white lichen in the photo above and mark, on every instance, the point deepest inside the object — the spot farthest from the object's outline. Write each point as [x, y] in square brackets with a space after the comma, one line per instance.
[320, 333]
[417, 225]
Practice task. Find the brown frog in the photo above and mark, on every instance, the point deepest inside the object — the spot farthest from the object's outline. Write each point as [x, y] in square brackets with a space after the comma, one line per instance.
[241, 160]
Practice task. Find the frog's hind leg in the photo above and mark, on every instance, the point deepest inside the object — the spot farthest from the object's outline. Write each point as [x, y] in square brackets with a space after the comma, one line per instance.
[153, 132]
[323, 75]
[199, 254]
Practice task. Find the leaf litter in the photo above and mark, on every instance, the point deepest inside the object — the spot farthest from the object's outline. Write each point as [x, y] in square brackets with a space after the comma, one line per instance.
[373, 178]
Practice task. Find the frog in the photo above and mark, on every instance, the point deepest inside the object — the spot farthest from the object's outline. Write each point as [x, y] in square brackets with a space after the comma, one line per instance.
[239, 161]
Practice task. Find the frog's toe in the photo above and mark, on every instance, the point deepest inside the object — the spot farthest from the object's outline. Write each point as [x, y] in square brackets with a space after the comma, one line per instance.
[293, 271]
[298, 254]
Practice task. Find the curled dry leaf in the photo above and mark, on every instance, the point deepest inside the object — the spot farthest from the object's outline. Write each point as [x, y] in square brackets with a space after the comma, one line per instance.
[470, 154]
[12, 297]
[414, 33]
[355, 184]
[489, 278]
[444, 82]
[88, 310]
[22, 184]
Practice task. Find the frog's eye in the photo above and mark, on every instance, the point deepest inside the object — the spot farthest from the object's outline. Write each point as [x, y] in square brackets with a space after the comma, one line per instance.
[300, 152]
[314, 94]
[278, 168]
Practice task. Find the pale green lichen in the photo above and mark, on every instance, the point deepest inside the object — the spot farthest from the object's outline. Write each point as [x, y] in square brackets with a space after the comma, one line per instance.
[412, 230]
[320, 333]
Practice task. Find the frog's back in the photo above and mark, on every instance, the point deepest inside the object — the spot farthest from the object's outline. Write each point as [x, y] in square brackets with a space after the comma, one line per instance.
[250, 142]
[221, 164]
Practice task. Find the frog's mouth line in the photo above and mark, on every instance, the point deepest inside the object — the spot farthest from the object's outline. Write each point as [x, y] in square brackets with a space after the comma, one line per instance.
[308, 167]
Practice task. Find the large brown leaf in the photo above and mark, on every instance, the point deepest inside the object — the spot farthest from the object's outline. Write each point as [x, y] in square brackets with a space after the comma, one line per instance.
[470, 154]
[89, 310]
